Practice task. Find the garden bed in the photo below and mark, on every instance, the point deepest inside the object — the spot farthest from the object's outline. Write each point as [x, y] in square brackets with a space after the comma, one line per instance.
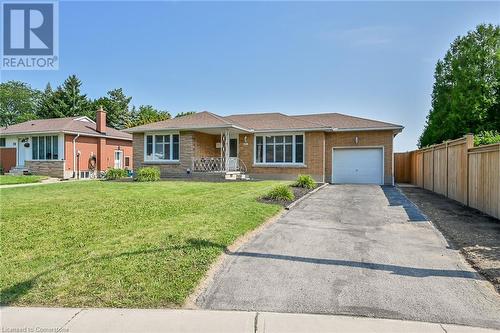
[298, 193]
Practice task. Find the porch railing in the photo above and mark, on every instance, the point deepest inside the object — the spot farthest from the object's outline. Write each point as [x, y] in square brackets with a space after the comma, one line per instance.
[218, 164]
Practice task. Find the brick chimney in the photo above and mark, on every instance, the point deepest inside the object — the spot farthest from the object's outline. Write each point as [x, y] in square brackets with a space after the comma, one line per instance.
[101, 120]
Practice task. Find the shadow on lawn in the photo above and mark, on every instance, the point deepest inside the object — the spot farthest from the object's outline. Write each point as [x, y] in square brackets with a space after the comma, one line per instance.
[11, 294]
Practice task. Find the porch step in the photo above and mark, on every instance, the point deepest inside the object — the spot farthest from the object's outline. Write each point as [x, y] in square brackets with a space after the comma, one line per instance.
[235, 175]
[18, 171]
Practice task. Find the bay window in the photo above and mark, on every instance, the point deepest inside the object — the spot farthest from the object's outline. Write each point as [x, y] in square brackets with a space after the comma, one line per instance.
[162, 147]
[279, 149]
[45, 147]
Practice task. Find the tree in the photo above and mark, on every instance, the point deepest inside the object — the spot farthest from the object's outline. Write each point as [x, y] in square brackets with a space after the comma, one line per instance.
[18, 102]
[145, 115]
[116, 105]
[47, 101]
[466, 92]
[66, 101]
[182, 114]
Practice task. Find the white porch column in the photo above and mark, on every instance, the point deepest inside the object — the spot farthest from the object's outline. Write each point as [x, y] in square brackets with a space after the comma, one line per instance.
[226, 150]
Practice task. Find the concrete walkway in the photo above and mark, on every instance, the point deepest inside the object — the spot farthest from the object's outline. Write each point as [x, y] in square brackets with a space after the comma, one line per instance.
[14, 319]
[360, 250]
[42, 182]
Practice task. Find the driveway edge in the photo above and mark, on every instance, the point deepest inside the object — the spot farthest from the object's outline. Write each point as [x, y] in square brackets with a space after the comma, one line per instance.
[293, 204]
[190, 302]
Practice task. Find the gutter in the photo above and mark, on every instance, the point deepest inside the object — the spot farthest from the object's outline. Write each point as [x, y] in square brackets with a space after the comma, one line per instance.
[316, 129]
[74, 155]
[398, 128]
[143, 130]
[66, 132]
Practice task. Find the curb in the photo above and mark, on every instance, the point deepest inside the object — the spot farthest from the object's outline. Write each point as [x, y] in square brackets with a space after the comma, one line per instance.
[293, 204]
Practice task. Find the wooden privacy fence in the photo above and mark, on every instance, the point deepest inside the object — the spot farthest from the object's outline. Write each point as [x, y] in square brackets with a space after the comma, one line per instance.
[456, 169]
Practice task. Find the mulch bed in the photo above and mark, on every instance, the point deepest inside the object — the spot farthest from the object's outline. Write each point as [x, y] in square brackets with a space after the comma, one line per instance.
[475, 234]
[299, 192]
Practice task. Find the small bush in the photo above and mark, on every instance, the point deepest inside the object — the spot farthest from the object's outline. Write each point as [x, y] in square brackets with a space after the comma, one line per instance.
[112, 174]
[486, 138]
[305, 181]
[149, 174]
[280, 192]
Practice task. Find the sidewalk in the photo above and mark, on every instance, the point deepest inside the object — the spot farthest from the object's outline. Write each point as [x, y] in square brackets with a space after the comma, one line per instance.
[16, 319]
[49, 180]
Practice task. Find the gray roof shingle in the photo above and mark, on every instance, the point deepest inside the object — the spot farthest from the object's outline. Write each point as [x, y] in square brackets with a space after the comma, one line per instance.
[268, 122]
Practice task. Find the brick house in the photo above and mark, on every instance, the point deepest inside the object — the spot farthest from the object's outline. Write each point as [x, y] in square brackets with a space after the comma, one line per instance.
[330, 147]
[74, 147]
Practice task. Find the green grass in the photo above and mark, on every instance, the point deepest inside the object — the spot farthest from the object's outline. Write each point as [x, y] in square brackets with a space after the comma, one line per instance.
[9, 179]
[109, 244]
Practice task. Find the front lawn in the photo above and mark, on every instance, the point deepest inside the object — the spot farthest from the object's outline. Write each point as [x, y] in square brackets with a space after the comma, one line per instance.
[9, 179]
[110, 244]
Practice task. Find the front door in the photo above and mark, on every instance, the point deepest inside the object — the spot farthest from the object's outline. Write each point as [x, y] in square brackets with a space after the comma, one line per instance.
[233, 155]
[22, 151]
[118, 159]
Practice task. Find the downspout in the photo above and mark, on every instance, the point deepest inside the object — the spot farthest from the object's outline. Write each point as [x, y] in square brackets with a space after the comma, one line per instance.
[74, 155]
[324, 156]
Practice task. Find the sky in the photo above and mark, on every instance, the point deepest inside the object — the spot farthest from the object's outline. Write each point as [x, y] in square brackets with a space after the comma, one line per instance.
[368, 59]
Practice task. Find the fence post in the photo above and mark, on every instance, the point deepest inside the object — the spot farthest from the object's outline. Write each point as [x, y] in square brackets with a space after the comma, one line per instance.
[423, 171]
[446, 146]
[469, 143]
[433, 166]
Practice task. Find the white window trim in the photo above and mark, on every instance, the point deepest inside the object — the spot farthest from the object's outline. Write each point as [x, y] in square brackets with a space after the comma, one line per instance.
[279, 164]
[59, 146]
[122, 158]
[158, 160]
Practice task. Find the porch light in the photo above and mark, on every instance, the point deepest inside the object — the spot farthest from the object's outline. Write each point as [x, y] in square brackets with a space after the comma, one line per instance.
[356, 140]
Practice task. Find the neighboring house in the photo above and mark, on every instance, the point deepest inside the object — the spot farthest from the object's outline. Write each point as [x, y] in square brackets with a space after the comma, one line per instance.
[74, 147]
[330, 147]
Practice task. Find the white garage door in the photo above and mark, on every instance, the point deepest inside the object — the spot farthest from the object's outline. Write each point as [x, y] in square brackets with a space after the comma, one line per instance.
[357, 166]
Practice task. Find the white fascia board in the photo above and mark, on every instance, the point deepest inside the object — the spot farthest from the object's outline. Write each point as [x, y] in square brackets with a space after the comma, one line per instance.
[144, 130]
[97, 135]
[398, 128]
[292, 130]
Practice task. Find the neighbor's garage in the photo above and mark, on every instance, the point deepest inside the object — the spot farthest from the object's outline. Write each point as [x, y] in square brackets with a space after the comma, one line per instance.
[358, 166]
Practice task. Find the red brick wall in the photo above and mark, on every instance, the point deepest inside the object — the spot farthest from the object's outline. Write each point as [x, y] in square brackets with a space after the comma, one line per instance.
[205, 145]
[365, 139]
[319, 144]
[88, 146]
[313, 159]
[318, 153]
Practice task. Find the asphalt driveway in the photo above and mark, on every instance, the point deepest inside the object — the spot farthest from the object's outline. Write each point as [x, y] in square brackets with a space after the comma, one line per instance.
[359, 250]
